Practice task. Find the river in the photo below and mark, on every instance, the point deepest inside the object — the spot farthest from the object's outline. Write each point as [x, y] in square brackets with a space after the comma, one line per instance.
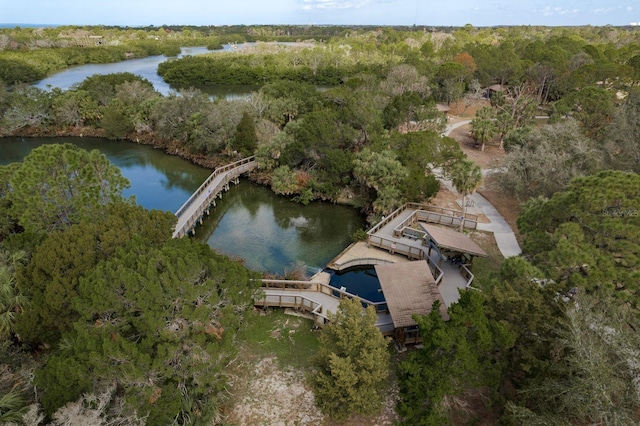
[269, 232]
[146, 68]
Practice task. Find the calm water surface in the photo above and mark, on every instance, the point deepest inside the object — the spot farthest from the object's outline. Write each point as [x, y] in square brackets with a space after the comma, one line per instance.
[272, 233]
[158, 181]
[145, 68]
[250, 222]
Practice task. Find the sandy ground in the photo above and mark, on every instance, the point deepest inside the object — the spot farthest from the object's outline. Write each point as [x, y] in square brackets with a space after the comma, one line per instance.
[272, 396]
[490, 158]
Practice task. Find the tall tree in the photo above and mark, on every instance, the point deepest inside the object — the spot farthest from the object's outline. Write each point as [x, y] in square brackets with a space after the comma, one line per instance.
[516, 109]
[245, 140]
[466, 177]
[59, 185]
[547, 159]
[380, 172]
[623, 135]
[50, 280]
[483, 126]
[592, 106]
[30, 107]
[459, 358]
[588, 236]
[158, 323]
[352, 363]
[594, 379]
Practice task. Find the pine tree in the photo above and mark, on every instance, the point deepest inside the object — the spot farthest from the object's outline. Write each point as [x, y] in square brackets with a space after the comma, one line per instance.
[352, 364]
[246, 139]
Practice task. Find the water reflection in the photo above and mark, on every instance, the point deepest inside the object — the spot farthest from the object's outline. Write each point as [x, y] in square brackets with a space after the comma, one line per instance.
[272, 233]
[250, 222]
[158, 181]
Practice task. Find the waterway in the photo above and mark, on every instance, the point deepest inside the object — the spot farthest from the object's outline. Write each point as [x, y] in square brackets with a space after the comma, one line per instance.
[269, 232]
[146, 68]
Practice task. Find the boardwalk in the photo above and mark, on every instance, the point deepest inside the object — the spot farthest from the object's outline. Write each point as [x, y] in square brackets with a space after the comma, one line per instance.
[317, 298]
[394, 240]
[192, 211]
[391, 241]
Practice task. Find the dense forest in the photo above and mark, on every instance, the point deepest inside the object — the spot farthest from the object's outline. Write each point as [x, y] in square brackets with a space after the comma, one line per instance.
[136, 328]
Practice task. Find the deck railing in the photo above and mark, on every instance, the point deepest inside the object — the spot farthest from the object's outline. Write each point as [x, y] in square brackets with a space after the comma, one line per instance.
[433, 214]
[295, 302]
[468, 275]
[321, 288]
[411, 252]
[230, 171]
[363, 261]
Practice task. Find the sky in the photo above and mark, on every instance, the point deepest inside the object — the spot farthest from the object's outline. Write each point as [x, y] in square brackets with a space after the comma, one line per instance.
[321, 12]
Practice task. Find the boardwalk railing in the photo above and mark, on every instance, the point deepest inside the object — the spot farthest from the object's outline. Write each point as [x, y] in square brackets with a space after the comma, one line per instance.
[322, 288]
[362, 261]
[295, 302]
[411, 252]
[425, 213]
[187, 215]
[432, 214]
[468, 275]
[393, 215]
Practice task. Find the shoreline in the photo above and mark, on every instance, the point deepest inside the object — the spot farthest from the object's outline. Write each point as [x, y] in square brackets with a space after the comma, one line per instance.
[173, 148]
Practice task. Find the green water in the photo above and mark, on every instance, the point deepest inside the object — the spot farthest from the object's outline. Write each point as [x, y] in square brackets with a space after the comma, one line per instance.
[270, 233]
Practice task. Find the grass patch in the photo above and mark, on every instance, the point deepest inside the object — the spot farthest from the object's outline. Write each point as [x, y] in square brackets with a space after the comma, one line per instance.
[290, 339]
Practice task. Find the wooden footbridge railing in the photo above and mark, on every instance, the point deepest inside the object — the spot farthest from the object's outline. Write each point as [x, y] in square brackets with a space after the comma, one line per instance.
[192, 211]
[318, 299]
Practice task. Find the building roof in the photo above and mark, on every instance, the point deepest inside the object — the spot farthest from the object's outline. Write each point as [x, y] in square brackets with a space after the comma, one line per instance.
[449, 238]
[497, 88]
[443, 107]
[409, 288]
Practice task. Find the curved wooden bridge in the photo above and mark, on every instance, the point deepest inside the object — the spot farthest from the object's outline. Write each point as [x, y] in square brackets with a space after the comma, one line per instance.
[200, 202]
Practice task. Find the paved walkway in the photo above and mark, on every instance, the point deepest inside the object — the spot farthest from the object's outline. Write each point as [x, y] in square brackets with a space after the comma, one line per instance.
[505, 238]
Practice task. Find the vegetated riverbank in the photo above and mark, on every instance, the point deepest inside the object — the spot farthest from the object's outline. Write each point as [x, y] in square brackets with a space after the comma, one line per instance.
[171, 147]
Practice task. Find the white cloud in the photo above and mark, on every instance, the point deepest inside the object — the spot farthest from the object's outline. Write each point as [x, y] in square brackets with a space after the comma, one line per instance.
[549, 11]
[601, 10]
[332, 4]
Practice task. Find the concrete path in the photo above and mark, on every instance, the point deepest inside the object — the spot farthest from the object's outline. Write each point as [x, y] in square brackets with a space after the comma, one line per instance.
[505, 238]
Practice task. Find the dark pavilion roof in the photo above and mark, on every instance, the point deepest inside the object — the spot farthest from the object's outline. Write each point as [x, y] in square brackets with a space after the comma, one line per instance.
[449, 238]
[409, 288]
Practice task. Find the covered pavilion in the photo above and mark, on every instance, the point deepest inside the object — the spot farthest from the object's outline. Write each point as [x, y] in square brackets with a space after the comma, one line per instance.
[409, 289]
[451, 245]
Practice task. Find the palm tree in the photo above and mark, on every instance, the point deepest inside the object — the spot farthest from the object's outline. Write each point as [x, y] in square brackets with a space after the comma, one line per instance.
[11, 301]
[466, 177]
[12, 407]
[483, 127]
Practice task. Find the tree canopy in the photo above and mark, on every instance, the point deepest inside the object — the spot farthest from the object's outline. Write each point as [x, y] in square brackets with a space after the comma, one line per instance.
[156, 322]
[57, 186]
[352, 363]
[587, 236]
[461, 355]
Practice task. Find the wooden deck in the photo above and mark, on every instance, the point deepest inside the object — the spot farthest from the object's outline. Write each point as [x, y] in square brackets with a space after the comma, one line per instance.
[394, 239]
[316, 298]
[193, 210]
